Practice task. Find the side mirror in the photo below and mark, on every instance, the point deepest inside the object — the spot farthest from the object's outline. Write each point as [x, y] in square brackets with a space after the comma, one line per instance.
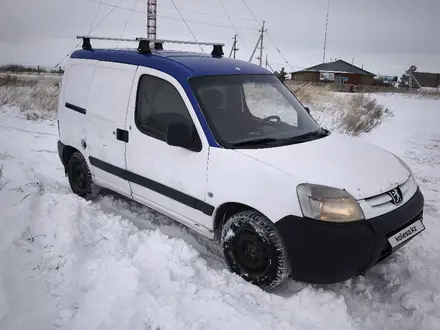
[307, 109]
[179, 135]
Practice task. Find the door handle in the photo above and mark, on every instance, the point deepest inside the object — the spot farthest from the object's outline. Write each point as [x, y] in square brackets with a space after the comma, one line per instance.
[122, 135]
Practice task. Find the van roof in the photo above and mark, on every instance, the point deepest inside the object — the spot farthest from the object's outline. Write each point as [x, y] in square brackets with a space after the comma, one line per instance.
[179, 63]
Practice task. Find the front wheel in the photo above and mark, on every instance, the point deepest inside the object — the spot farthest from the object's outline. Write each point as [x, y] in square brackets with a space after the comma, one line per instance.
[254, 249]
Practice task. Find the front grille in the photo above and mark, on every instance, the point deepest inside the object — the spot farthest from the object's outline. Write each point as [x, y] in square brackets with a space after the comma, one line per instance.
[383, 199]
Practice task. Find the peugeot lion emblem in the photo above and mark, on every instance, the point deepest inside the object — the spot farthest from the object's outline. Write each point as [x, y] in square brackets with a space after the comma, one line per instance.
[396, 196]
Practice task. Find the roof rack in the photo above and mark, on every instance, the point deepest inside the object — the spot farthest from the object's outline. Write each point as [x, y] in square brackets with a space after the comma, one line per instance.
[144, 44]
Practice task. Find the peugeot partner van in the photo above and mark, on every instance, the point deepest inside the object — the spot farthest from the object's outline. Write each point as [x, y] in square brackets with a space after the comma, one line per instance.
[223, 147]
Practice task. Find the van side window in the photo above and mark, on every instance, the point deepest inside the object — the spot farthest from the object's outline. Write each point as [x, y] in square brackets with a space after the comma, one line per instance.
[158, 105]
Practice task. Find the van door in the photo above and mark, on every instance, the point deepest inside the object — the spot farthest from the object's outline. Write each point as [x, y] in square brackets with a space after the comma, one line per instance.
[73, 100]
[169, 179]
[105, 124]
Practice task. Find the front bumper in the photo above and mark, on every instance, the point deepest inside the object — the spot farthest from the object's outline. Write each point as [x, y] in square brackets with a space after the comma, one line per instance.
[323, 252]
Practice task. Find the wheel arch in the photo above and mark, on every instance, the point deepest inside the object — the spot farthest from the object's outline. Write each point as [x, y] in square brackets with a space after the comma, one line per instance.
[225, 211]
[66, 153]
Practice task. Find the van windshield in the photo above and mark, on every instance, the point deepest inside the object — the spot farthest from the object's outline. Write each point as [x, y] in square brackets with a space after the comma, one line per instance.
[253, 111]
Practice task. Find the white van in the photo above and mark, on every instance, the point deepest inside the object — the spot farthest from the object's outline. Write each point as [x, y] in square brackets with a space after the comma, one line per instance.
[223, 147]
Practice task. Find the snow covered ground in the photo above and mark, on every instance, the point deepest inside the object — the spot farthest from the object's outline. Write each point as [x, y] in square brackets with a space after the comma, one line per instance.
[112, 264]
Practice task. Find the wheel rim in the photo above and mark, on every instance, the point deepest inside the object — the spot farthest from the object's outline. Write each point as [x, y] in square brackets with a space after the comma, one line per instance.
[250, 253]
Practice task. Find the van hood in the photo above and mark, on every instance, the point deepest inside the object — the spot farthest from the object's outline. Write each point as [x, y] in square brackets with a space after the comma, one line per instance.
[362, 169]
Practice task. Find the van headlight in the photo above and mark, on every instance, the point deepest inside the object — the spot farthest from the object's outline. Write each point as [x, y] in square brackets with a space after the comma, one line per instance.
[328, 203]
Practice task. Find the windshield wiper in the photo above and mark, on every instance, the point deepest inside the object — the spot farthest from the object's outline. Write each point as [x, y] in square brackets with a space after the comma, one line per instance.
[309, 136]
[254, 141]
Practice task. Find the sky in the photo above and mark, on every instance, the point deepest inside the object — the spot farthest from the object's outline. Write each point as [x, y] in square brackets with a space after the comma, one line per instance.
[383, 36]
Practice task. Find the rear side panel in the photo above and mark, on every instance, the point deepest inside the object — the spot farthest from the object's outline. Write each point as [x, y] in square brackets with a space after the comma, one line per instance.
[105, 121]
[73, 102]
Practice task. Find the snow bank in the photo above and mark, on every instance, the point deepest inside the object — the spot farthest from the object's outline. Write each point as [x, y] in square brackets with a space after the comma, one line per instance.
[113, 264]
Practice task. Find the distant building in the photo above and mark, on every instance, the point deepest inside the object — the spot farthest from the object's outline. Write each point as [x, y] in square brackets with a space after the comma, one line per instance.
[386, 80]
[426, 79]
[339, 72]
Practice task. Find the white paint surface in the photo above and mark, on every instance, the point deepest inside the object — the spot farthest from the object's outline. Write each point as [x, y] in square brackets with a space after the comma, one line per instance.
[106, 112]
[175, 167]
[72, 122]
[337, 161]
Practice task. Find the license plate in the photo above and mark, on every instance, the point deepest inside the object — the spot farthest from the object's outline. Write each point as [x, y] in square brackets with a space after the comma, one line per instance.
[406, 233]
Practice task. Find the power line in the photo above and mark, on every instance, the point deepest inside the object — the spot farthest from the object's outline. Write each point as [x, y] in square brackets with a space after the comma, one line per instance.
[278, 63]
[96, 15]
[48, 34]
[252, 13]
[189, 29]
[279, 51]
[126, 23]
[273, 43]
[207, 14]
[65, 57]
[179, 19]
[209, 24]
[232, 22]
[97, 25]
[3, 4]
[107, 15]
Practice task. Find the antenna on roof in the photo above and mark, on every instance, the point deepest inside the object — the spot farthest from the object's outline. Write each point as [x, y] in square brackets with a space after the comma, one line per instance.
[144, 44]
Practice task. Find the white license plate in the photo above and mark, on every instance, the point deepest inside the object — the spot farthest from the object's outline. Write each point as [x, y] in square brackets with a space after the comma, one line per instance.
[406, 233]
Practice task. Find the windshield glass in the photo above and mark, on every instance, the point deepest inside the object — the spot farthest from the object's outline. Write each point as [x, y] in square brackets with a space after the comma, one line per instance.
[251, 110]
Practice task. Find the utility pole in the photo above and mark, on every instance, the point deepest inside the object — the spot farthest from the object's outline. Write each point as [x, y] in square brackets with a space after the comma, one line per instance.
[255, 49]
[261, 43]
[326, 29]
[234, 48]
[151, 19]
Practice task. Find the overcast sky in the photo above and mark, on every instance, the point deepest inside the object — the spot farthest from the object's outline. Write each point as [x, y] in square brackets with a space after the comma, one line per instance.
[386, 36]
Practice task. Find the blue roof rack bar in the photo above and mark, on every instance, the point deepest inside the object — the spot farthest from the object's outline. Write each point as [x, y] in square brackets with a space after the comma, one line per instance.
[144, 43]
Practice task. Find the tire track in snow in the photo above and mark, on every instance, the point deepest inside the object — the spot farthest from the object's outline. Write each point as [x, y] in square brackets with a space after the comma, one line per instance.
[26, 131]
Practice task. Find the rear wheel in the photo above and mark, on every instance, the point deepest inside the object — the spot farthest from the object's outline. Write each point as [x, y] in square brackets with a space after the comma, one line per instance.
[254, 249]
[80, 177]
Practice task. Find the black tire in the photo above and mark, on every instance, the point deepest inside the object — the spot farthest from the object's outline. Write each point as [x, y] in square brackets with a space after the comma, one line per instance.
[80, 177]
[254, 249]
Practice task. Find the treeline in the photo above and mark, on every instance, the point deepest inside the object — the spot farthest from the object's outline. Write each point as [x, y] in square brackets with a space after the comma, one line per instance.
[17, 68]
